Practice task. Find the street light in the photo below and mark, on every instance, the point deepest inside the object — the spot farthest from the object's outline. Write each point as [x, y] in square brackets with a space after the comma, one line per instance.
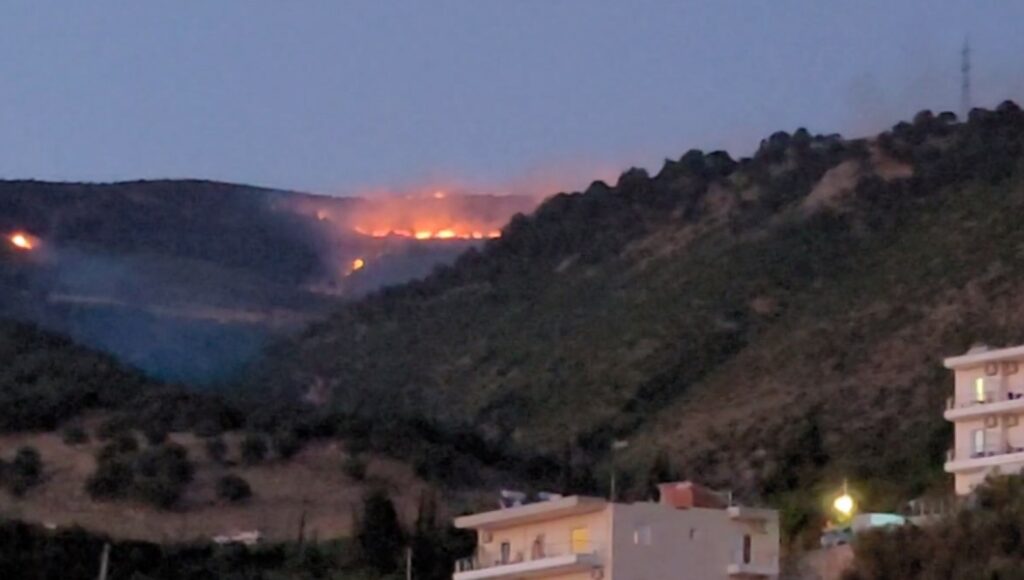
[844, 504]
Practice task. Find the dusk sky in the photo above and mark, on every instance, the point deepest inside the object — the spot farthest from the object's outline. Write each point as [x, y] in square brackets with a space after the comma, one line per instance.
[347, 97]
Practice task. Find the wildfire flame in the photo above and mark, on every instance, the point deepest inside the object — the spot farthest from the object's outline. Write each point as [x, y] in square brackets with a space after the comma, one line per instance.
[22, 241]
[450, 233]
[358, 264]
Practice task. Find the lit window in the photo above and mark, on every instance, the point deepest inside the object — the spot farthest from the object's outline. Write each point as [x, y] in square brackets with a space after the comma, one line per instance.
[979, 389]
[642, 535]
[978, 441]
[580, 541]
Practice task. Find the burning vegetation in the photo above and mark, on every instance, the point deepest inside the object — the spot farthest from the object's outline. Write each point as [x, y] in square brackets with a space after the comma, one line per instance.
[23, 241]
[447, 233]
[434, 215]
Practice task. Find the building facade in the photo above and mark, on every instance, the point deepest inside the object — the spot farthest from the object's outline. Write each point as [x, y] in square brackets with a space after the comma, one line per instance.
[577, 538]
[986, 410]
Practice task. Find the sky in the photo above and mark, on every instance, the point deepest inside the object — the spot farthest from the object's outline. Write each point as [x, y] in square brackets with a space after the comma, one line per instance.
[345, 98]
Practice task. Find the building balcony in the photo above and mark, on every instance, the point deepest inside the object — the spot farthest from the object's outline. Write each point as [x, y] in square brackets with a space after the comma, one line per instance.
[992, 457]
[545, 561]
[753, 570]
[995, 405]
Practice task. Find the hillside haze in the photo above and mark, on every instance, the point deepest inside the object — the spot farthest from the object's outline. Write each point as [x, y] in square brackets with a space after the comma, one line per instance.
[189, 280]
[766, 324]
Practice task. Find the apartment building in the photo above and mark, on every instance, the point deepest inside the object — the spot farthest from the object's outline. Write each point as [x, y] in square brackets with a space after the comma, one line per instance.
[986, 410]
[577, 538]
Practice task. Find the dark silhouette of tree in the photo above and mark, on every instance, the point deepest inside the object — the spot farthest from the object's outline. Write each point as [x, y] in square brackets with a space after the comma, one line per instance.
[233, 488]
[380, 536]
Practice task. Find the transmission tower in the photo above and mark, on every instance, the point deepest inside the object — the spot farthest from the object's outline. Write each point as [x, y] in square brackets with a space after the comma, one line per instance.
[965, 80]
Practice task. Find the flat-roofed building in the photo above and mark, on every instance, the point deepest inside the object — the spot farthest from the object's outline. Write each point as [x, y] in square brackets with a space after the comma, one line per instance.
[577, 538]
[986, 410]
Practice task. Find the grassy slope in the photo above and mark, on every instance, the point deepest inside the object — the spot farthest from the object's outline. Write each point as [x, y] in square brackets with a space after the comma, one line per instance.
[311, 486]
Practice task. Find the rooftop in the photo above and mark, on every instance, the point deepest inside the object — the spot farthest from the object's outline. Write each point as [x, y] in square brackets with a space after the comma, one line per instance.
[533, 512]
[976, 356]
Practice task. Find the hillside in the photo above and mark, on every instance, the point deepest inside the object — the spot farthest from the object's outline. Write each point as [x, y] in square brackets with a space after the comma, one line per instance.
[189, 279]
[47, 381]
[766, 324]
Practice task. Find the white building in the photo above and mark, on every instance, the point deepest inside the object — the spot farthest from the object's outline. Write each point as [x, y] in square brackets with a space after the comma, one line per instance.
[986, 409]
[577, 538]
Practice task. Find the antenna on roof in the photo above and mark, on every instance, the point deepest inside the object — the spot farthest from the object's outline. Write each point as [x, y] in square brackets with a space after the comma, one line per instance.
[965, 79]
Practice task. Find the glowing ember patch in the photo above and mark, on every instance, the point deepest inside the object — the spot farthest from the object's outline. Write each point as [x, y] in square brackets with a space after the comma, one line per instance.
[358, 264]
[321, 215]
[448, 233]
[22, 241]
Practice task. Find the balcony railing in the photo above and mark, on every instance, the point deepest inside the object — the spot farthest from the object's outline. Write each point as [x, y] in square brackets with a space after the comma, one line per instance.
[989, 398]
[536, 551]
[988, 451]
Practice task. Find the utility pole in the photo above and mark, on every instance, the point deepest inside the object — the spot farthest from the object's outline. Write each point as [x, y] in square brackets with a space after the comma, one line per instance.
[616, 445]
[104, 561]
[965, 79]
[408, 563]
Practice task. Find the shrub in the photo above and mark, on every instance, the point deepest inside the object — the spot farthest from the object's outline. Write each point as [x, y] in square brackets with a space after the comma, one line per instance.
[233, 488]
[112, 479]
[379, 534]
[286, 444]
[162, 473]
[123, 444]
[216, 449]
[155, 434]
[112, 427]
[254, 449]
[354, 466]
[74, 435]
[25, 472]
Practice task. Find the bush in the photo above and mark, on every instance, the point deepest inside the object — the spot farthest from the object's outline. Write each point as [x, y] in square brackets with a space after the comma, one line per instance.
[354, 466]
[286, 444]
[379, 534]
[157, 475]
[74, 435]
[155, 434]
[216, 449]
[162, 473]
[991, 525]
[254, 449]
[25, 472]
[123, 444]
[113, 479]
[112, 427]
[233, 488]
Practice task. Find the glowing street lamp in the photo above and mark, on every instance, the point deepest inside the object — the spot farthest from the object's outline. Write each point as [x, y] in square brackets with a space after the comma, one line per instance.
[844, 504]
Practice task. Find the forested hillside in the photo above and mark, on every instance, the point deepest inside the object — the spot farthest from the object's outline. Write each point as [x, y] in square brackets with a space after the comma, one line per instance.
[189, 279]
[763, 324]
[46, 380]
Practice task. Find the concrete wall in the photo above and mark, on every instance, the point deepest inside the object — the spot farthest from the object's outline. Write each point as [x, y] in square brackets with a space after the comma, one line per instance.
[654, 542]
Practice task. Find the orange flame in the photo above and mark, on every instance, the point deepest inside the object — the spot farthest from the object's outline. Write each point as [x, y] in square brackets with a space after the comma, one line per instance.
[22, 241]
[441, 234]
